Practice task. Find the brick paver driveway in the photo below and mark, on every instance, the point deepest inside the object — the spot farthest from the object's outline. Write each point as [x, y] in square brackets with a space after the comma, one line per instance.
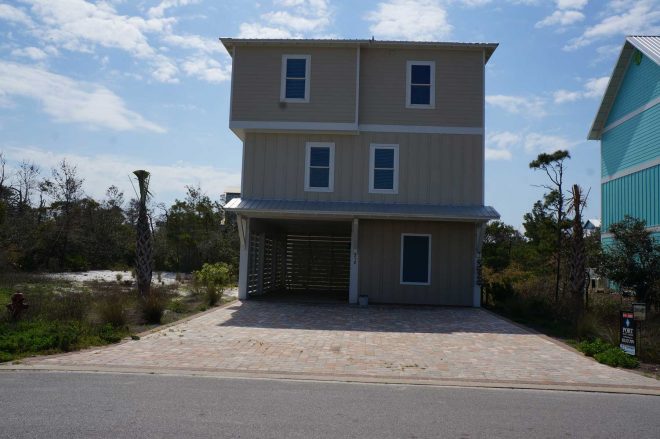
[395, 344]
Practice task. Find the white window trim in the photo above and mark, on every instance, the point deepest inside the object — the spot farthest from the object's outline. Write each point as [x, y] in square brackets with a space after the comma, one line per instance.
[372, 163]
[428, 282]
[331, 176]
[308, 63]
[409, 65]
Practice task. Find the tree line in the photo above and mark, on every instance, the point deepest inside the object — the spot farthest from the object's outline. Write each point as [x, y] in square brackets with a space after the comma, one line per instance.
[550, 261]
[49, 223]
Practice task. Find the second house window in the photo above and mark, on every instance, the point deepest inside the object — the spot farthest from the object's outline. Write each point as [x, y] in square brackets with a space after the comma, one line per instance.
[384, 169]
[295, 78]
[420, 84]
[319, 167]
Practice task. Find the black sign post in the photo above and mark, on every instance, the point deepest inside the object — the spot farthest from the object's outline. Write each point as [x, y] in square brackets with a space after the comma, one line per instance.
[628, 341]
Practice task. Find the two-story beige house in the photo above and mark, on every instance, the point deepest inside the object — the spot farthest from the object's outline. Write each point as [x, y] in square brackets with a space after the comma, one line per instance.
[363, 168]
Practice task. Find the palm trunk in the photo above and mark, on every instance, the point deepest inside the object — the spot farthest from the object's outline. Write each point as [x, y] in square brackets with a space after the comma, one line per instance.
[144, 244]
[578, 257]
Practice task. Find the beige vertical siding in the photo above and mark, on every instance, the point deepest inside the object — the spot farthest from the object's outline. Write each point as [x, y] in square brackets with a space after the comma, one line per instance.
[433, 168]
[452, 262]
[256, 87]
[459, 93]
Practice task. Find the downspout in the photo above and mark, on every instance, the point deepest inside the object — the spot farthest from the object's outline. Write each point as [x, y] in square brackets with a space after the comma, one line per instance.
[357, 88]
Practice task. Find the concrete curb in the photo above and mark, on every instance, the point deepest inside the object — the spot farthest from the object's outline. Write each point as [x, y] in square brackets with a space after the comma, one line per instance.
[364, 379]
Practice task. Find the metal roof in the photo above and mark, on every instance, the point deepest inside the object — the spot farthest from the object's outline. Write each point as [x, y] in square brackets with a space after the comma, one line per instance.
[230, 43]
[348, 209]
[649, 45]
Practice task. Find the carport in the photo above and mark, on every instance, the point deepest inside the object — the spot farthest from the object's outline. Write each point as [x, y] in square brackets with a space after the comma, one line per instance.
[295, 258]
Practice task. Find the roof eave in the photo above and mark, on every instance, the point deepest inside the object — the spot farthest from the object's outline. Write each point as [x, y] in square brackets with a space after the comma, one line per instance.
[230, 43]
[631, 43]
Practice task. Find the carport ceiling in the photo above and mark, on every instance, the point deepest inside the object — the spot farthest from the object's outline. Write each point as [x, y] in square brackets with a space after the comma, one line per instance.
[305, 226]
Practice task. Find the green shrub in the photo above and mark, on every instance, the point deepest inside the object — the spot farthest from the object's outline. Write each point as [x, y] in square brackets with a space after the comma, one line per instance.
[39, 336]
[615, 357]
[109, 333]
[500, 291]
[64, 306]
[177, 306]
[112, 309]
[591, 348]
[214, 278]
[153, 306]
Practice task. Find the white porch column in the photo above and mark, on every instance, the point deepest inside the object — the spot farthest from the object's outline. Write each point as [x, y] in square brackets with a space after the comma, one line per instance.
[244, 237]
[353, 288]
[480, 229]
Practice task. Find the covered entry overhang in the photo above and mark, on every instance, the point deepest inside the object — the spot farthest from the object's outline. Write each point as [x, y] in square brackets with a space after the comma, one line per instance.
[313, 245]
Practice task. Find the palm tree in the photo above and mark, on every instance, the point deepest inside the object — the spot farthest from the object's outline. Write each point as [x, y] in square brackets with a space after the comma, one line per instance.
[144, 244]
[578, 255]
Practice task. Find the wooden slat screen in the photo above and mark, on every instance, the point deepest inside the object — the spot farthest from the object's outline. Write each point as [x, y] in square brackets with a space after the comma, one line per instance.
[316, 262]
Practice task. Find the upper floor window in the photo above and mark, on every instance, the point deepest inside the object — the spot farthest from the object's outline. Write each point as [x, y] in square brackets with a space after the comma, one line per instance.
[320, 167]
[384, 169]
[420, 84]
[295, 78]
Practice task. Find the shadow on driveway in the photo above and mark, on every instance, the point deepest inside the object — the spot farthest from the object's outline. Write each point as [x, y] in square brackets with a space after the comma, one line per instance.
[375, 318]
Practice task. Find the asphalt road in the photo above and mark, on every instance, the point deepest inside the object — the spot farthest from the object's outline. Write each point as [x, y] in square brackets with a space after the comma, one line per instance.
[94, 405]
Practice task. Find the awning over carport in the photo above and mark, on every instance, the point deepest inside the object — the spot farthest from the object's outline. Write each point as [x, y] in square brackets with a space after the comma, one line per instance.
[346, 210]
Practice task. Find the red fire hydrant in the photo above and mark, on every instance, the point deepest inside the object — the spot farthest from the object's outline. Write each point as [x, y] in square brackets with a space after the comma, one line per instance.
[17, 305]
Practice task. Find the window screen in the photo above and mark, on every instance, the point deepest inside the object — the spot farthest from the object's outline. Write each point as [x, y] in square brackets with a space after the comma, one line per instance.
[383, 177]
[420, 84]
[319, 167]
[415, 259]
[296, 69]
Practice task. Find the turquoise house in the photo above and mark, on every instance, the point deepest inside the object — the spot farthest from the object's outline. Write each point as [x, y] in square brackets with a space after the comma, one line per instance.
[628, 127]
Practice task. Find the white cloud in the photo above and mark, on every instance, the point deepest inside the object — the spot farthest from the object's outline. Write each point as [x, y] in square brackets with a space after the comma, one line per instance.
[639, 17]
[537, 143]
[297, 23]
[195, 42]
[67, 100]
[16, 15]
[207, 69]
[33, 53]
[499, 145]
[410, 20]
[159, 10]
[563, 96]
[83, 26]
[571, 4]
[566, 13]
[101, 171]
[529, 106]
[256, 30]
[502, 145]
[80, 26]
[593, 88]
[292, 19]
[561, 18]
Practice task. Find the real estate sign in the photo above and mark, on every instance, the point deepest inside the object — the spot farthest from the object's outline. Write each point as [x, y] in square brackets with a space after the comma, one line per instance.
[628, 337]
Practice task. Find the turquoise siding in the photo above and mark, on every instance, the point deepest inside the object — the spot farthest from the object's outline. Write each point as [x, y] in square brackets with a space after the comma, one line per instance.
[636, 195]
[640, 85]
[606, 241]
[633, 142]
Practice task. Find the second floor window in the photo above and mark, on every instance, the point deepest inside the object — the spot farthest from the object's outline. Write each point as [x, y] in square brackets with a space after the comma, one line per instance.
[295, 78]
[384, 169]
[420, 84]
[319, 167]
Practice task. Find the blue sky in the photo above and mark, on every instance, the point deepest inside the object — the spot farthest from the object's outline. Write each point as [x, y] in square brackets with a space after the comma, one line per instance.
[119, 85]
